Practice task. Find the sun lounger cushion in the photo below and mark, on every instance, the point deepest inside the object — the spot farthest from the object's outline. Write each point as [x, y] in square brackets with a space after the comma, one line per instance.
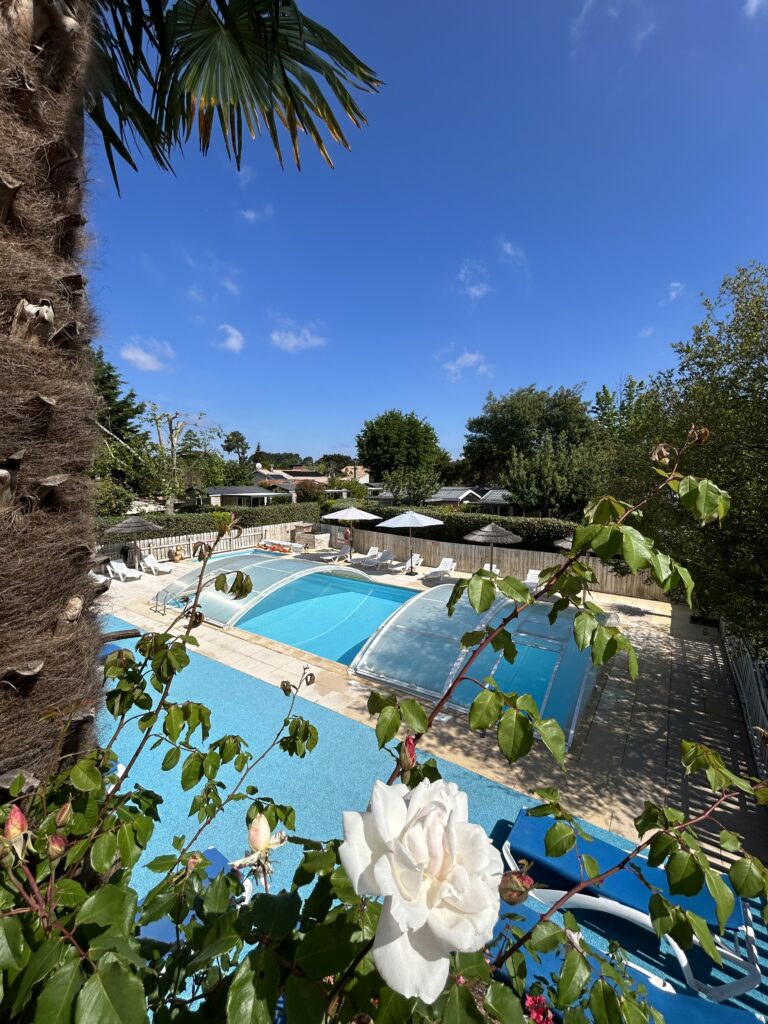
[526, 840]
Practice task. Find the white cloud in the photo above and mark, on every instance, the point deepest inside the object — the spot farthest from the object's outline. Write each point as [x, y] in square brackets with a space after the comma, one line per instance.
[147, 354]
[639, 38]
[293, 338]
[233, 339]
[508, 249]
[674, 288]
[255, 216]
[244, 175]
[232, 287]
[646, 332]
[751, 7]
[470, 280]
[577, 25]
[468, 361]
[194, 294]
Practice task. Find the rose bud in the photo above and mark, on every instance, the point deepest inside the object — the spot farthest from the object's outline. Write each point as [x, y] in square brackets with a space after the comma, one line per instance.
[515, 886]
[286, 687]
[15, 823]
[56, 846]
[408, 754]
[259, 833]
[65, 815]
[192, 862]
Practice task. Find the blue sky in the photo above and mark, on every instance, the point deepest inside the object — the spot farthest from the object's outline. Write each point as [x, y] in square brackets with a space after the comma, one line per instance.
[543, 192]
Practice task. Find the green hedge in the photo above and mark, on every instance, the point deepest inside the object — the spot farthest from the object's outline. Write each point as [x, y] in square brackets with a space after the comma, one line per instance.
[537, 534]
[202, 522]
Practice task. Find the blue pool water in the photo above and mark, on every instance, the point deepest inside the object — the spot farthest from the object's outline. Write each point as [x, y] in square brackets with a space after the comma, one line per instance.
[330, 616]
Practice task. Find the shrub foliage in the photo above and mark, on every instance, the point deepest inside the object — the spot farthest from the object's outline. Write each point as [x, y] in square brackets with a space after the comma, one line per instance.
[203, 522]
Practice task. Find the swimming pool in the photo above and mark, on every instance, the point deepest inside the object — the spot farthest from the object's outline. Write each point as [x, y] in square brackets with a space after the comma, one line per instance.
[331, 616]
[419, 650]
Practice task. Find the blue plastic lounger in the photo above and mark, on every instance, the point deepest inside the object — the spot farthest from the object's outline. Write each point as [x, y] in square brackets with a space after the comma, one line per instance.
[659, 993]
[625, 896]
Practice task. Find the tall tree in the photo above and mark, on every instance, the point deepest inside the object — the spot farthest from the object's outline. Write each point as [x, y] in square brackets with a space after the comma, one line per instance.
[397, 440]
[520, 420]
[236, 443]
[120, 412]
[721, 381]
[412, 485]
[145, 73]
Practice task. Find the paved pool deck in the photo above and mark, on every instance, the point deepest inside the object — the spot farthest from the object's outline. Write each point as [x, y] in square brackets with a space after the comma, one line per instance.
[626, 748]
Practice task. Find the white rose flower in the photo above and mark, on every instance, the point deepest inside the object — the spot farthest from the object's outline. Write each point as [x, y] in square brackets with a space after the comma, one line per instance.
[438, 874]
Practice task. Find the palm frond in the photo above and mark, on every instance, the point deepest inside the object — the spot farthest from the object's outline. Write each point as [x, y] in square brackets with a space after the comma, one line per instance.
[162, 70]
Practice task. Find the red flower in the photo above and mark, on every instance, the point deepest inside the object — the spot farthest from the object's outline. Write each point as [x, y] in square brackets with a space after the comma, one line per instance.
[408, 754]
[537, 1009]
[15, 823]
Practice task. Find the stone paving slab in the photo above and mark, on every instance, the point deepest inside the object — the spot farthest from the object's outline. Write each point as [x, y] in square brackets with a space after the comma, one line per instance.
[626, 748]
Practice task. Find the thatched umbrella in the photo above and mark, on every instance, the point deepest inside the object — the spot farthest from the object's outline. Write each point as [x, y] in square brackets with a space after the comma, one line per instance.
[134, 526]
[493, 534]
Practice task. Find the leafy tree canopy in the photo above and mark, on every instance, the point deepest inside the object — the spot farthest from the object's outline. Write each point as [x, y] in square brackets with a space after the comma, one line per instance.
[236, 443]
[521, 420]
[397, 440]
[121, 410]
[412, 486]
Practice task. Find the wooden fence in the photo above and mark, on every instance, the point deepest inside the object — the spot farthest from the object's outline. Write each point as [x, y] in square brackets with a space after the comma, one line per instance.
[510, 561]
[162, 547]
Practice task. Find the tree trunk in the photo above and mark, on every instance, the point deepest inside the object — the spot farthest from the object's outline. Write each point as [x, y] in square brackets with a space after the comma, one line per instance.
[49, 633]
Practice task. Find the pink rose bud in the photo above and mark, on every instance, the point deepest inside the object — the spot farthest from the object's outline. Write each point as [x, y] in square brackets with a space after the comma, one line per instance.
[15, 823]
[408, 754]
[258, 834]
[56, 846]
[65, 815]
[515, 886]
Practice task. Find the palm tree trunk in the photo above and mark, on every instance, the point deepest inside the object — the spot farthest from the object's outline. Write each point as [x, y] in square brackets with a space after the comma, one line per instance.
[49, 634]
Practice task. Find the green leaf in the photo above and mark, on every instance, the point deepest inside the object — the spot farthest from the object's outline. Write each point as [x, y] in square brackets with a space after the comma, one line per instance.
[545, 937]
[485, 709]
[44, 959]
[514, 588]
[14, 951]
[604, 1003]
[85, 776]
[551, 733]
[192, 771]
[275, 914]
[559, 839]
[114, 995]
[584, 625]
[162, 864]
[704, 935]
[460, 1007]
[661, 913]
[55, 1004]
[590, 865]
[69, 893]
[574, 977]
[501, 1002]
[393, 1008]
[514, 735]
[481, 593]
[722, 894]
[730, 841]
[684, 874]
[327, 949]
[252, 995]
[387, 725]
[473, 637]
[103, 852]
[636, 550]
[746, 877]
[377, 701]
[414, 715]
[174, 722]
[304, 1004]
[662, 845]
[109, 907]
[171, 759]
[473, 966]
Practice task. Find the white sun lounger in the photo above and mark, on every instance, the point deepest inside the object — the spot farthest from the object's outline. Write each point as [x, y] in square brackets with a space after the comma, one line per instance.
[150, 564]
[381, 560]
[370, 559]
[118, 570]
[532, 579]
[337, 556]
[445, 568]
[97, 578]
[625, 896]
[411, 563]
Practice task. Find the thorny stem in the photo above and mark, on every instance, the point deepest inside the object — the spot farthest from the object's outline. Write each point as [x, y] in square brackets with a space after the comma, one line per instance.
[586, 883]
[547, 588]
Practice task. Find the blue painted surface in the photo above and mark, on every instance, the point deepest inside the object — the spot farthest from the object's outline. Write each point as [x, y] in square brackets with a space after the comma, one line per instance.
[331, 616]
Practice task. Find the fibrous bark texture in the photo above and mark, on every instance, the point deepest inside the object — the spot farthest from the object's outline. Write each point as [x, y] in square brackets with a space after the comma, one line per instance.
[49, 636]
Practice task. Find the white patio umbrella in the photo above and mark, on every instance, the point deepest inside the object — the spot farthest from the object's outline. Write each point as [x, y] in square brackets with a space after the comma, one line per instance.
[351, 515]
[410, 521]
